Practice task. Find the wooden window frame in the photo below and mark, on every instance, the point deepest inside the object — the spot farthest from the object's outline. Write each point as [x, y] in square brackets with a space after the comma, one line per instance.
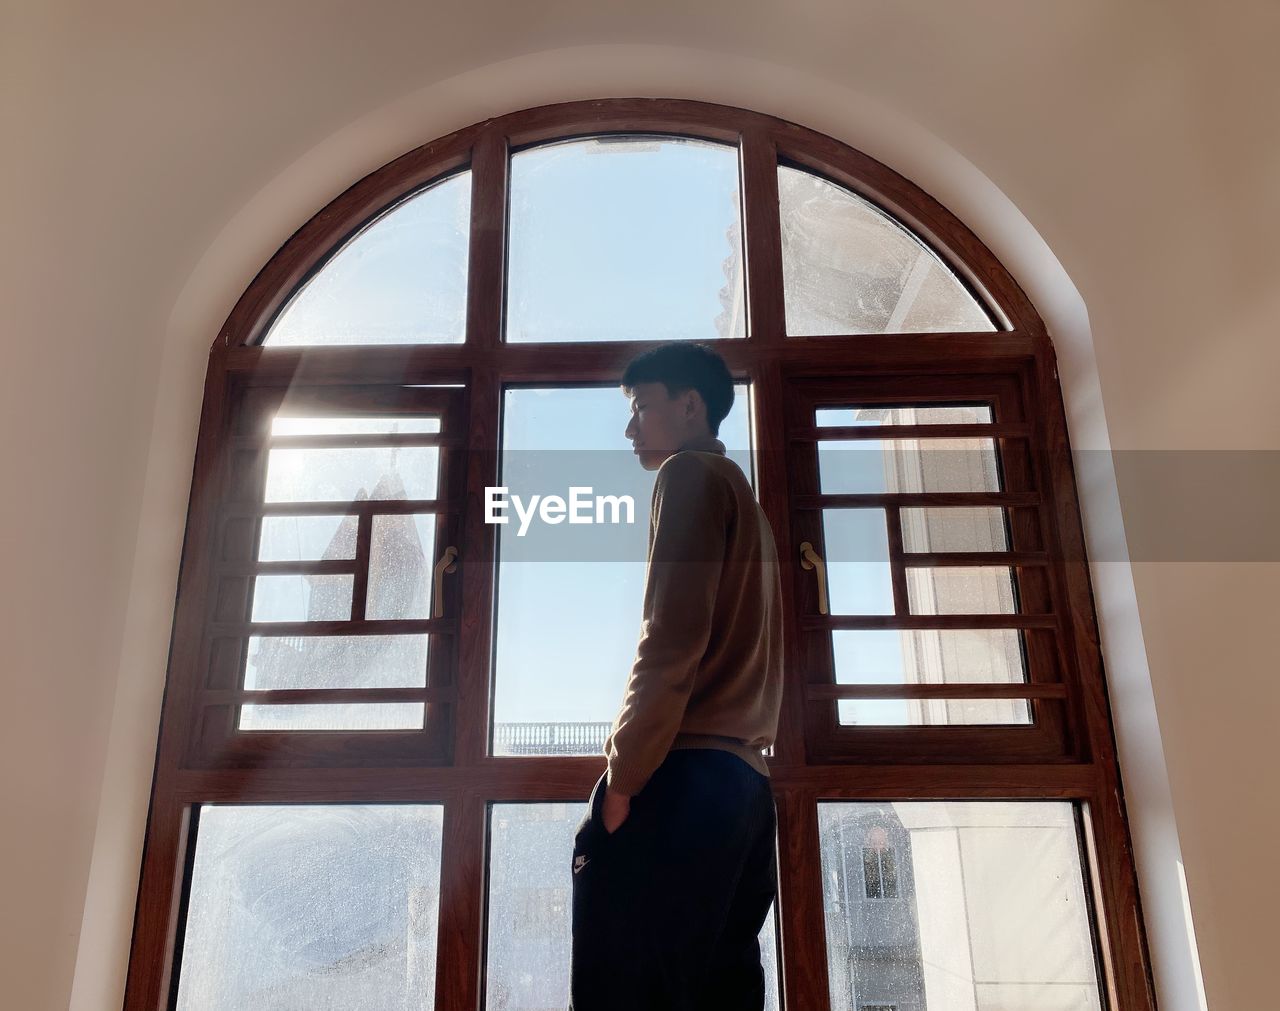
[1034, 550]
[1075, 763]
[236, 487]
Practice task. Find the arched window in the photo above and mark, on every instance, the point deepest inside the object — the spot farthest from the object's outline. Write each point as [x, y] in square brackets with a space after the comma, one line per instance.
[384, 714]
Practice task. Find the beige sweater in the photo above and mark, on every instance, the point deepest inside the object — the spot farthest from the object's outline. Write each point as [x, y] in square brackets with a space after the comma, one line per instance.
[708, 668]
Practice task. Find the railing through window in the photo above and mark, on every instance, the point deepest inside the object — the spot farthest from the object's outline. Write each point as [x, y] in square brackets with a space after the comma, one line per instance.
[549, 738]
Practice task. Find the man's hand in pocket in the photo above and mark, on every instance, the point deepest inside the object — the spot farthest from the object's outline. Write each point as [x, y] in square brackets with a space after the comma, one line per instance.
[615, 810]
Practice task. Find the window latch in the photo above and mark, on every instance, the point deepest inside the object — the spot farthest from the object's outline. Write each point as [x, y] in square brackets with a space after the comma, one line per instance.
[446, 564]
[809, 559]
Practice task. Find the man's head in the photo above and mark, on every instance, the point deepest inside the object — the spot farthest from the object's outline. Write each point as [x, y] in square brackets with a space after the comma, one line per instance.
[679, 392]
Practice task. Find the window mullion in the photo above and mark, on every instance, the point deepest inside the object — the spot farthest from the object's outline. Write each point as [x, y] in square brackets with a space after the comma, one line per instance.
[485, 274]
[762, 238]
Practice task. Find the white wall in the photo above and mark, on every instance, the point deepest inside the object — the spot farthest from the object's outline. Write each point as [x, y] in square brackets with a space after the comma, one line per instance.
[156, 157]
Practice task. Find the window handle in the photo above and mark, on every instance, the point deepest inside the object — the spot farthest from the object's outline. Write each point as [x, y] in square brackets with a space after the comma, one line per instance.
[809, 559]
[446, 564]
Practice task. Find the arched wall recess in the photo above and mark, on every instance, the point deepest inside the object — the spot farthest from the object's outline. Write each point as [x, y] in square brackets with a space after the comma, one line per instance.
[1062, 752]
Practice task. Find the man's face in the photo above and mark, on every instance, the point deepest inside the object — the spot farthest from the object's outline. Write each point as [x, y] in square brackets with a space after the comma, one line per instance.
[659, 423]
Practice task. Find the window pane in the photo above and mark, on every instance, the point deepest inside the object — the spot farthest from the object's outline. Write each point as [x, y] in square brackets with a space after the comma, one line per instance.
[979, 528]
[339, 716]
[306, 538]
[302, 598]
[625, 238]
[336, 661]
[401, 561]
[880, 466]
[929, 656]
[391, 425]
[986, 589]
[859, 580]
[530, 909]
[348, 475]
[931, 712]
[400, 280]
[326, 908]
[849, 268]
[987, 911]
[569, 597]
[923, 414]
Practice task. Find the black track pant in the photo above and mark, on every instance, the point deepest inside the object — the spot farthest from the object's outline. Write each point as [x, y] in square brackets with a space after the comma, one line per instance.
[667, 909]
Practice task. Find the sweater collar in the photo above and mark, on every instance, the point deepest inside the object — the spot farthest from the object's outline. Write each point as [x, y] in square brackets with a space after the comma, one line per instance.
[704, 443]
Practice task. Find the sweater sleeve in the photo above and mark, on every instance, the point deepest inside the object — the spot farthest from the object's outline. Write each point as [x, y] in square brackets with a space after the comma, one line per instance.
[688, 535]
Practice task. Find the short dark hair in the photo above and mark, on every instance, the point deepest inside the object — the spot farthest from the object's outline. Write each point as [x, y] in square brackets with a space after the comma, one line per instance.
[681, 366]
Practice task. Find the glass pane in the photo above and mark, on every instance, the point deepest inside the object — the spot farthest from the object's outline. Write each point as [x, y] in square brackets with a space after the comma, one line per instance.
[400, 280]
[979, 528]
[972, 905]
[924, 414]
[340, 716]
[569, 597]
[931, 712]
[302, 598]
[859, 580]
[847, 268]
[880, 466]
[625, 238]
[986, 589]
[350, 475]
[401, 561]
[768, 941]
[336, 661]
[391, 425]
[307, 538]
[530, 909]
[327, 908]
[928, 656]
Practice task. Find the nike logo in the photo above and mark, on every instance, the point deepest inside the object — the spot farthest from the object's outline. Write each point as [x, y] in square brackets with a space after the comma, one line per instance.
[579, 863]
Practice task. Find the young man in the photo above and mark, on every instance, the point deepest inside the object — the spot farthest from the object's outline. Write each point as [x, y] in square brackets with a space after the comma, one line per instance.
[674, 862]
